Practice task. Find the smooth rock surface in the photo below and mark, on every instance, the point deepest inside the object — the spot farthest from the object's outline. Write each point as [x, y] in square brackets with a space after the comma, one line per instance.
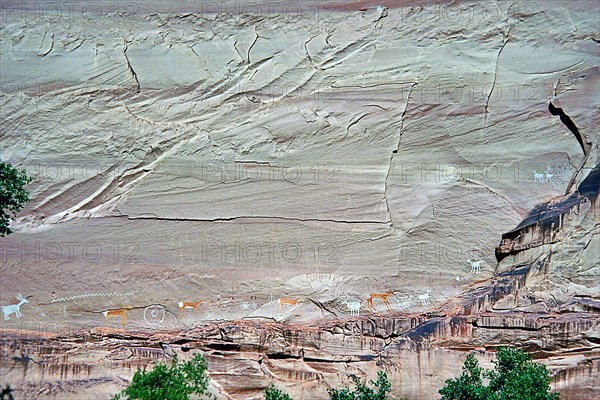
[235, 154]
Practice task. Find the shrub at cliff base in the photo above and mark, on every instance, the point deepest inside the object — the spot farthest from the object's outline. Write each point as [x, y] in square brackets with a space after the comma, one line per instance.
[380, 390]
[514, 377]
[175, 382]
[273, 393]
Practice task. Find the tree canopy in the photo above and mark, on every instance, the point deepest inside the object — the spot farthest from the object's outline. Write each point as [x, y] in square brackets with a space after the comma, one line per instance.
[515, 376]
[362, 391]
[175, 382]
[13, 195]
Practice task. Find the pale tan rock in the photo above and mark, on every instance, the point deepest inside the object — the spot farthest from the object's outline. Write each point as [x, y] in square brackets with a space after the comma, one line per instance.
[233, 154]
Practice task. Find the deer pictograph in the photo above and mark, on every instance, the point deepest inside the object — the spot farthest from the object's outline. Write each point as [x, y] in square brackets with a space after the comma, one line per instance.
[382, 296]
[425, 299]
[475, 266]
[189, 304]
[538, 177]
[14, 308]
[286, 302]
[353, 306]
[121, 312]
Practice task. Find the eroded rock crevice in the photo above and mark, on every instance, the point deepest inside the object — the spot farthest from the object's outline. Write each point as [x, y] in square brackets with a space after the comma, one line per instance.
[556, 109]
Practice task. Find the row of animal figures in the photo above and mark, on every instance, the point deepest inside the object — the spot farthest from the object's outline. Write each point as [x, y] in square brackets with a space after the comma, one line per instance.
[149, 312]
[353, 306]
[543, 177]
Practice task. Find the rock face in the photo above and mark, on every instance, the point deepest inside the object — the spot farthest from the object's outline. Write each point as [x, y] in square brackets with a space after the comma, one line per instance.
[436, 162]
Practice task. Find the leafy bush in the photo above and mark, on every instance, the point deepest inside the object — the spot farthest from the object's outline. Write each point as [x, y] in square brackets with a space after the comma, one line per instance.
[515, 377]
[362, 391]
[176, 382]
[6, 393]
[13, 195]
[271, 393]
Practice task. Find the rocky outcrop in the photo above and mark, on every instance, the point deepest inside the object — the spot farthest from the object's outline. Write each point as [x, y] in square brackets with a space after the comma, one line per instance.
[229, 156]
[545, 222]
[244, 356]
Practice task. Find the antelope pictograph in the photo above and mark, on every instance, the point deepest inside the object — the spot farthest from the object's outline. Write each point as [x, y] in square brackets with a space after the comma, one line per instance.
[248, 305]
[286, 302]
[14, 308]
[538, 177]
[425, 299]
[121, 312]
[189, 304]
[383, 297]
[353, 306]
[475, 266]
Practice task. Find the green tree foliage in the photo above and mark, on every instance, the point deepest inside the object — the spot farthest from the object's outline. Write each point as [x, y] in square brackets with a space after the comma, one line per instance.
[6, 393]
[271, 393]
[515, 376]
[362, 391]
[175, 382]
[13, 195]
[469, 385]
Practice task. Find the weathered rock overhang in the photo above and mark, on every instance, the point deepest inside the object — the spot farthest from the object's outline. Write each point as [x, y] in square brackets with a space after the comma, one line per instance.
[544, 222]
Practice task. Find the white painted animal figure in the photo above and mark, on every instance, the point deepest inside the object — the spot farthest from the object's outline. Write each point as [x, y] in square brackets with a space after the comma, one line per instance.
[14, 308]
[475, 266]
[353, 306]
[538, 177]
[246, 305]
[425, 300]
[549, 176]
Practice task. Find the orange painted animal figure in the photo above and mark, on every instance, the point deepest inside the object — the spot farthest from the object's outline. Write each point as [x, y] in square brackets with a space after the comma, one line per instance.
[189, 304]
[121, 312]
[289, 302]
[382, 296]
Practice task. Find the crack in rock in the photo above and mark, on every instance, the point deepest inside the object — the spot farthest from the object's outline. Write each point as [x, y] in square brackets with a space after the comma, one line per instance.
[385, 189]
[252, 45]
[130, 68]
[505, 39]
[51, 45]
[308, 54]
[244, 217]
[322, 307]
[352, 123]
[496, 193]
